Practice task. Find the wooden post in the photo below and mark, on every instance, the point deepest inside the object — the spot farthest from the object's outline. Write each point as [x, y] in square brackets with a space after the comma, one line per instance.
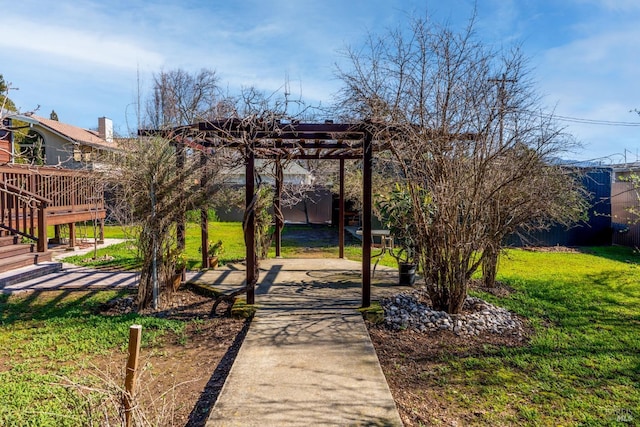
[72, 234]
[101, 230]
[56, 234]
[277, 207]
[204, 215]
[367, 165]
[250, 223]
[135, 335]
[42, 228]
[341, 211]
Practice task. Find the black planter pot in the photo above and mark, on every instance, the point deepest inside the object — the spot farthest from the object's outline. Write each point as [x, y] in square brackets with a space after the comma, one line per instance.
[407, 274]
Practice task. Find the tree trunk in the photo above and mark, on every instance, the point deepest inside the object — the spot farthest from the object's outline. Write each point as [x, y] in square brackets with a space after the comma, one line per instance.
[490, 266]
[447, 287]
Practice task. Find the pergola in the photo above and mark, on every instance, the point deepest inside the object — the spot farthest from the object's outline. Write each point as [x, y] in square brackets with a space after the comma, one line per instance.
[293, 140]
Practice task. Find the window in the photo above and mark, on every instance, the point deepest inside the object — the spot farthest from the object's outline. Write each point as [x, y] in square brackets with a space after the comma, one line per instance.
[31, 149]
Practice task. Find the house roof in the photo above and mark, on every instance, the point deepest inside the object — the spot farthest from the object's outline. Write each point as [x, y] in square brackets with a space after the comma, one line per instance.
[69, 132]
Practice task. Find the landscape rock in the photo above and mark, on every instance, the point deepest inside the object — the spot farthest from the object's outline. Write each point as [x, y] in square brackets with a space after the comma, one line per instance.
[406, 311]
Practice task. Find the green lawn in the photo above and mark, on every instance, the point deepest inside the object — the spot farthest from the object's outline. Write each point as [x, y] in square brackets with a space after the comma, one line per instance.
[229, 232]
[46, 340]
[125, 255]
[582, 366]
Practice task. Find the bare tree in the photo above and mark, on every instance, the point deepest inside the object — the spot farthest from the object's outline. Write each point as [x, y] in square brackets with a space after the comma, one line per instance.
[460, 119]
[7, 108]
[156, 192]
[12, 129]
[181, 98]
[153, 181]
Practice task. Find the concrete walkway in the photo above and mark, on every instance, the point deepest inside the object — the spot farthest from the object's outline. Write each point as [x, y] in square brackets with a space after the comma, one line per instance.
[307, 359]
[71, 277]
[77, 279]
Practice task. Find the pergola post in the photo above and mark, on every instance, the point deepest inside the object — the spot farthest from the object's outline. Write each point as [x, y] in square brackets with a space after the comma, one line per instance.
[341, 211]
[101, 230]
[277, 207]
[250, 223]
[367, 164]
[204, 215]
[181, 236]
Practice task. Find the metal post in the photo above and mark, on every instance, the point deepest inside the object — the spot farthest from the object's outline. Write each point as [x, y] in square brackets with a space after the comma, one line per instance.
[154, 244]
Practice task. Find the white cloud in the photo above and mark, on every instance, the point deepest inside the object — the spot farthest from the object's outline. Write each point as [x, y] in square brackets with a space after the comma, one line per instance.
[77, 45]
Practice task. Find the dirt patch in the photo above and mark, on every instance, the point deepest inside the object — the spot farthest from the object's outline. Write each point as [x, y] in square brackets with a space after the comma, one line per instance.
[566, 249]
[500, 289]
[183, 374]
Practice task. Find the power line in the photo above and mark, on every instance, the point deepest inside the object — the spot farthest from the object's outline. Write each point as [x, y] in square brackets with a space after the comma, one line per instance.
[582, 120]
[594, 121]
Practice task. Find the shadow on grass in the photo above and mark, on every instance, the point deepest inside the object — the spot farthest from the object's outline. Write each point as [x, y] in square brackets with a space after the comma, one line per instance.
[614, 253]
[46, 305]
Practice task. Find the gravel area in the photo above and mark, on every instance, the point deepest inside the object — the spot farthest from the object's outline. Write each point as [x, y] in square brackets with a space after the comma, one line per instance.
[411, 311]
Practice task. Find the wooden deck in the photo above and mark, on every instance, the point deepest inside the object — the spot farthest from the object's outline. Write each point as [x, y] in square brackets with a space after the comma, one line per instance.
[74, 195]
[31, 198]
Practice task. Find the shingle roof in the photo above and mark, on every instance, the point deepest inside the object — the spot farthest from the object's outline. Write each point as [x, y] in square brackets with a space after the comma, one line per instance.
[73, 133]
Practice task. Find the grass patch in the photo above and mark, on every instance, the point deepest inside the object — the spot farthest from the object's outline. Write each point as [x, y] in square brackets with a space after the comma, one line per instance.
[121, 256]
[124, 256]
[374, 313]
[242, 310]
[48, 337]
[582, 364]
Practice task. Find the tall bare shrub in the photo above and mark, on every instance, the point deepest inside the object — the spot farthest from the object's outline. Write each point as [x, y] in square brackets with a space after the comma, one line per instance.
[462, 121]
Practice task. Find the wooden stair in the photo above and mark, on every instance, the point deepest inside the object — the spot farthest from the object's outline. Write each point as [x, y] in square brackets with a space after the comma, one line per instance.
[14, 254]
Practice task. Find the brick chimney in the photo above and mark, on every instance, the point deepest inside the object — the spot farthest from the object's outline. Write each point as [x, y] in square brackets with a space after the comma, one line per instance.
[105, 129]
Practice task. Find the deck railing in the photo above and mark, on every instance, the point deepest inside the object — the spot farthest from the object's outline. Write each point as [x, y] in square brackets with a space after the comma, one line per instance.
[66, 188]
[70, 195]
[24, 213]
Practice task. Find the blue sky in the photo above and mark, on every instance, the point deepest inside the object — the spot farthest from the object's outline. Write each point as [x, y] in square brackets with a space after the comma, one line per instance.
[83, 57]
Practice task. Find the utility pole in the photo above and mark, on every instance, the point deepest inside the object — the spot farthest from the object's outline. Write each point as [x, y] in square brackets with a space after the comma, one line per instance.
[502, 99]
